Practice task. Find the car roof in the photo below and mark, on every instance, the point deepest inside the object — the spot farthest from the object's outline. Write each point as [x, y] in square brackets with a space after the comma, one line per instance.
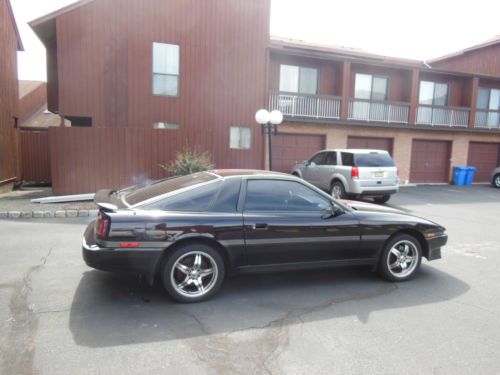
[355, 150]
[246, 172]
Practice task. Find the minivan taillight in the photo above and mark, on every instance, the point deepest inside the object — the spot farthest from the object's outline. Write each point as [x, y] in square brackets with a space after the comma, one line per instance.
[354, 172]
[102, 225]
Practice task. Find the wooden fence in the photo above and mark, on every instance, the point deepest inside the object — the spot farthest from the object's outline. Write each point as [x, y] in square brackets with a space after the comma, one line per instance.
[84, 160]
[35, 158]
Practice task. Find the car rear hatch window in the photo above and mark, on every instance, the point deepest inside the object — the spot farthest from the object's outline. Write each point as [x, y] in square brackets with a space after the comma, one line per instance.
[169, 185]
[373, 159]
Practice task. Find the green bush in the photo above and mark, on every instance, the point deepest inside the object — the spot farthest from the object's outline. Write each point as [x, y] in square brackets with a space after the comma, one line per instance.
[189, 161]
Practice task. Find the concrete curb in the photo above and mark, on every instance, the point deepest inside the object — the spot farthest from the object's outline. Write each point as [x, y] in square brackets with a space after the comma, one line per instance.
[47, 214]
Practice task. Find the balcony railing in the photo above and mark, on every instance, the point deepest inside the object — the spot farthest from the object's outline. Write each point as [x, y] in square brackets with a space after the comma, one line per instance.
[487, 119]
[303, 105]
[442, 116]
[380, 111]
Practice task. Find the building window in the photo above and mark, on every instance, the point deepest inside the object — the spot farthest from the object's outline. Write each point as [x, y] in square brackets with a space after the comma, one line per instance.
[488, 108]
[165, 125]
[298, 79]
[165, 69]
[79, 121]
[433, 93]
[370, 87]
[240, 137]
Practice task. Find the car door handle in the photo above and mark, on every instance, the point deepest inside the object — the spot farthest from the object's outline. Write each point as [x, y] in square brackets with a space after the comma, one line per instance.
[260, 226]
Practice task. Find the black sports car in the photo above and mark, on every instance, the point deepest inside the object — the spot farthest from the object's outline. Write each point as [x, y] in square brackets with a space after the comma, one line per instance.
[192, 231]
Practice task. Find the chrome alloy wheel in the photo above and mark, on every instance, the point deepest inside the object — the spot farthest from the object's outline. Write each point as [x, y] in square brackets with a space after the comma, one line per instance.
[402, 258]
[194, 274]
[336, 191]
[496, 181]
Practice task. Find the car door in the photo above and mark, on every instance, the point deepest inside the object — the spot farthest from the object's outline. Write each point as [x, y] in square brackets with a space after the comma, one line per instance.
[312, 170]
[286, 222]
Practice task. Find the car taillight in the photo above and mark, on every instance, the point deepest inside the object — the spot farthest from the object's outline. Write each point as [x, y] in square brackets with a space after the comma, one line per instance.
[354, 172]
[102, 225]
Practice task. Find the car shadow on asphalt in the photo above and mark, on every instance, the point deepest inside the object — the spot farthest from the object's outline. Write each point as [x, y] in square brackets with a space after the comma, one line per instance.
[110, 309]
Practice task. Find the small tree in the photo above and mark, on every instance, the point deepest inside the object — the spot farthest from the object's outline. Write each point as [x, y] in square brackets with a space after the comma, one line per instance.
[189, 161]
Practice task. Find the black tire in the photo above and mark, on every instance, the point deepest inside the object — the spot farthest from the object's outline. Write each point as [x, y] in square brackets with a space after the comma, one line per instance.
[337, 190]
[382, 199]
[496, 180]
[179, 268]
[390, 265]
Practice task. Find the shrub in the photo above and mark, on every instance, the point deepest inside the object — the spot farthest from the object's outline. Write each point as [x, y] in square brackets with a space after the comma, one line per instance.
[189, 161]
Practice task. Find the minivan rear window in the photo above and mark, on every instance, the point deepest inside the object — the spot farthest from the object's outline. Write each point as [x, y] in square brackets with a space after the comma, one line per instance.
[166, 186]
[374, 160]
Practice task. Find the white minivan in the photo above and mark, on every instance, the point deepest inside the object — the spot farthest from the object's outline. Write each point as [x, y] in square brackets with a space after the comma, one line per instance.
[352, 172]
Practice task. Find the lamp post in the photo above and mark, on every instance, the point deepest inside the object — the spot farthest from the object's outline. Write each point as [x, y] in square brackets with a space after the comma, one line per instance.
[269, 123]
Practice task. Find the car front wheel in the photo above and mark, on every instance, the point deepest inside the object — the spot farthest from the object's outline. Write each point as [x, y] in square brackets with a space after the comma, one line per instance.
[401, 258]
[496, 180]
[382, 199]
[193, 273]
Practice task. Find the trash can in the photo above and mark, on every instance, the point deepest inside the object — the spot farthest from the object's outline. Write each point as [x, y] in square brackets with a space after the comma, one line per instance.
[459, 175]
[471, 172]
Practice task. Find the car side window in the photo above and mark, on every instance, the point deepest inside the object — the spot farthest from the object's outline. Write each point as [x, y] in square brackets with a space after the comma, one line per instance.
[227, 199]
[198, 199]
[318, 159]
[277, 195]
[347, 159]
[331, 158]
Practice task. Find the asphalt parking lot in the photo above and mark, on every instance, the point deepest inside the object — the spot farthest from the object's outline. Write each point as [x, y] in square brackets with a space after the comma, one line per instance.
[58, 316]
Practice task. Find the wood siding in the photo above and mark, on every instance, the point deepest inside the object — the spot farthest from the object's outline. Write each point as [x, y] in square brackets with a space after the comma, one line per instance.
[9, 161]
[481, 61]
[104, 71]
[32, 102]
[35, 156]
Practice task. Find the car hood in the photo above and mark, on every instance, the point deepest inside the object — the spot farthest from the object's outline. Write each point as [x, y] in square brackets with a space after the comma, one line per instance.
[369, 211]
[365, 206]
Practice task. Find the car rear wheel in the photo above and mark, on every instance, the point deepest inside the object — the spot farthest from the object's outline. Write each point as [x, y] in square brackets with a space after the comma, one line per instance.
[496, 180]
[193, 273]
[337, 190]
[382, 199]
[401, 258]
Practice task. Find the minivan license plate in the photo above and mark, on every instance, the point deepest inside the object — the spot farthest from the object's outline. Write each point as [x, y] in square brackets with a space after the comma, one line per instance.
[379, 174]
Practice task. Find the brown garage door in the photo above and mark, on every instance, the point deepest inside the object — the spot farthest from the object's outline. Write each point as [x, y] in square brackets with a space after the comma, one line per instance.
[430, 161]
[291, 148]
[485, 157]
[370, 142]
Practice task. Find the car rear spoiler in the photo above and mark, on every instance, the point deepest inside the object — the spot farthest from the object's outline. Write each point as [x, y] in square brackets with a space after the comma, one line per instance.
[106, 199]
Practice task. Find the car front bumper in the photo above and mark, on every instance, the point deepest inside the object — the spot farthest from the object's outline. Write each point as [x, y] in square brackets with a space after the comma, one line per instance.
[143, 261]
[434, 246]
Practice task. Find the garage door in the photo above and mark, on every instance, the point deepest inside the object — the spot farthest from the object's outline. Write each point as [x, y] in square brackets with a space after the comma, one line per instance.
[430, 161]
[370, 142]
[291, 148]
[485, 157]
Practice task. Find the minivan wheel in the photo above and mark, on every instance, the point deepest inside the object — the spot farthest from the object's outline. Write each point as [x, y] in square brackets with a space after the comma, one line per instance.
[382, 199]
[496, 180]
[337, 190]
[193, 273]
[401, 258]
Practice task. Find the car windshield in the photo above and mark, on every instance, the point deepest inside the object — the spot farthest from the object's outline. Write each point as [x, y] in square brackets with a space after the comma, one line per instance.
[374, 160]
[166, 186]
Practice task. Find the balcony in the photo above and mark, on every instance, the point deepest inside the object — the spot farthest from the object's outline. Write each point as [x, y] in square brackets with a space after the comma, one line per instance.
[487, 119]
[442, 116]
[304, 105]
[379, 111]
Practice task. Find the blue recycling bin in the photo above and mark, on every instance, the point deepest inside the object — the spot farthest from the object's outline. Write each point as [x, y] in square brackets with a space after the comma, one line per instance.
[471, 172]
[459, 175]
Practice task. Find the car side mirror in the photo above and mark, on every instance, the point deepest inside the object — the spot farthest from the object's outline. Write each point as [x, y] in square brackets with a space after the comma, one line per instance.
[333, 211]
[306, 163]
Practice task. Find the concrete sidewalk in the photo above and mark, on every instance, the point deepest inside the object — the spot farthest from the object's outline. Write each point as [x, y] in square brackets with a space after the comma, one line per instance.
[17, 204]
